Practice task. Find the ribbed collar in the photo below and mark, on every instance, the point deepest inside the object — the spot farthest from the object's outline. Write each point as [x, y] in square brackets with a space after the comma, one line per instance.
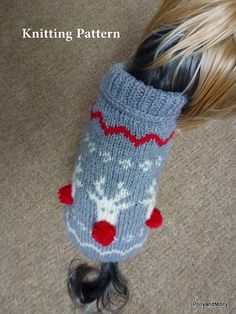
[121, 88]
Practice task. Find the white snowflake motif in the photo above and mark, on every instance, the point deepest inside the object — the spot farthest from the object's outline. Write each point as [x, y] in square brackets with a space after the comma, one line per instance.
[91, 147]
[106, 156]
[78, 168]
[86, 138]
[145, 166]
[76, 182]
[158, 161]
[109, 208]
[126, 163]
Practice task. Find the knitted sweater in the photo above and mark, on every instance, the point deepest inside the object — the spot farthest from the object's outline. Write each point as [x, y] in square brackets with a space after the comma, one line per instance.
[110, 206]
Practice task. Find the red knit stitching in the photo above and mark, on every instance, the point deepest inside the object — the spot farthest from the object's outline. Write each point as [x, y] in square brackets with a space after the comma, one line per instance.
[120, 129]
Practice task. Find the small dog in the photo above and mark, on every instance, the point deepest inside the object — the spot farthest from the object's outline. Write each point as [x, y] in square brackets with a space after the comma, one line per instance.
[184, 68]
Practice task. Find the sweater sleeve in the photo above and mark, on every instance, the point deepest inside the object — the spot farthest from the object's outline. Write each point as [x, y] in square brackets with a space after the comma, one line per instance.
[125, 144]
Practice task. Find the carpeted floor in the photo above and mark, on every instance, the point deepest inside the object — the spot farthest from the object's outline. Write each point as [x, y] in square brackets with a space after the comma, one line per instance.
[46, 89]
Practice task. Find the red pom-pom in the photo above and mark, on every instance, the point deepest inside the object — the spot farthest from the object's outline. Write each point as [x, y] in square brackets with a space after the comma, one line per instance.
[103, 232]
[64, 195]
[155, 219]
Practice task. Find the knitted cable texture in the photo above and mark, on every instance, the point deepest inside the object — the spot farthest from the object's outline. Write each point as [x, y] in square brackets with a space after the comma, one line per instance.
[110, 205]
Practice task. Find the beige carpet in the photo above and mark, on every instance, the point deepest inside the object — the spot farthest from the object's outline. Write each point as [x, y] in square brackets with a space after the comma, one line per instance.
[46, 89]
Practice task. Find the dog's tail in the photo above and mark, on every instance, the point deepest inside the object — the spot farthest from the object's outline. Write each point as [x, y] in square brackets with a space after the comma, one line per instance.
[86, 284]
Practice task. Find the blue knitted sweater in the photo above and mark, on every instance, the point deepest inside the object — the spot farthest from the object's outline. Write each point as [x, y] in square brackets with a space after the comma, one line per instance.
[110, 205]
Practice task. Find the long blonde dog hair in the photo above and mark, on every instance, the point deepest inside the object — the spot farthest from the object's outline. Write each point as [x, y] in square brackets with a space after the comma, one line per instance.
[207, 27]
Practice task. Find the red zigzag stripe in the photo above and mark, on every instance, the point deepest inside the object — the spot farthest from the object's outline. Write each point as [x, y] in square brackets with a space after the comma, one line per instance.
[115, 130]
